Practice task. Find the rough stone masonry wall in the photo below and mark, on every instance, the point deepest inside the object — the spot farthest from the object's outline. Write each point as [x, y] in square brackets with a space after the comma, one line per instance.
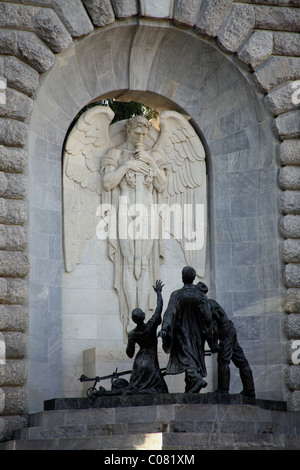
[262, 34]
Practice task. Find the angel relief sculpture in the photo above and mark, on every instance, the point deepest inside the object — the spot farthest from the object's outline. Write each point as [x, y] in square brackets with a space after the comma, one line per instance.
[137, 185]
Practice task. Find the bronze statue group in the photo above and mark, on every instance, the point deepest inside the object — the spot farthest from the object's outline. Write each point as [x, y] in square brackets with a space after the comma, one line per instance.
[190, 320]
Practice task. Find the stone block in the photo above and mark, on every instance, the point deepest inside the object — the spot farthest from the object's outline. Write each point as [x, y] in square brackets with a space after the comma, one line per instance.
[14, 317]
[293, 401]
[276, 70]
[47, 222]
[3, 209]
[15, 401]
[34, 52]
[10, 424]
[74, 17]
[50, 29]
[16, 187]
[13, 373]
[17, 105]
[289, 177]
[292, 326]
[48, 271]
[237, 230]
[17, 16]
[17, 291]
[289, 202]
[3, 289]
[125, 8]
[249, 327]
[3, 88]
[237, 27]
[284, 3]
[287, 126]
[286, 43]
[291, 301]
[13, 211]
[19, 75]
[186, 11]
[245, 254]
[3, 182]
[15, 343]
[42, 3]
[257, 48]
[13, 238]
[289, 152]
[275, 18]
[293, 377]
[291, 275]
[8, 42]
[14, 264]
[280, 99]
[156, 8]
[290, 251]
[290, 226]
[100, 11]
[12, 132]
[212, 15]
[237, 183]
[2, 420]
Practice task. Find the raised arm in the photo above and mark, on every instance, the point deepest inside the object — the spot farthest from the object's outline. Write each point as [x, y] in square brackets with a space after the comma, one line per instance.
[158, 289]
[155, 320]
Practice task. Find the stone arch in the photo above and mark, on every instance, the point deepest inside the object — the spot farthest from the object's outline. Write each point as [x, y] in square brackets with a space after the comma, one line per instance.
[183, 71]
[261, 35]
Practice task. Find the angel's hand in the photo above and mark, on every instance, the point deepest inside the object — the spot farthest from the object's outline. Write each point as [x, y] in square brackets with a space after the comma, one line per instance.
[144, 157]
[137, 166]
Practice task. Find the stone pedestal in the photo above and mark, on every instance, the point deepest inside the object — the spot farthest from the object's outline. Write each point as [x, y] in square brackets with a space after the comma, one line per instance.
[163, 422]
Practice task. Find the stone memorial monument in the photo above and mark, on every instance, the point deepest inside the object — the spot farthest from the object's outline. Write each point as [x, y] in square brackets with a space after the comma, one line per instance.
[224, 78]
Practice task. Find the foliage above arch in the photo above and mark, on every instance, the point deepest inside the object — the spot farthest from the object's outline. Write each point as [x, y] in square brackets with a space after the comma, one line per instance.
[123, 110]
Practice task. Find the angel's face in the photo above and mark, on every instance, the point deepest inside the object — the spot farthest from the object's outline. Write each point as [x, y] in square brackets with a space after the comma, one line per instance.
[137, 135]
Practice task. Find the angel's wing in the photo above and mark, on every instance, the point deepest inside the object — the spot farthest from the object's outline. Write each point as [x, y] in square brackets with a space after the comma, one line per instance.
[185, 155]
[85, 145]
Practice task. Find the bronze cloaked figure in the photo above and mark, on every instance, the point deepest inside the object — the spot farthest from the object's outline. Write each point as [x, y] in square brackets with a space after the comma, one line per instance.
[230, 350]
[187, 324]
[146, 375]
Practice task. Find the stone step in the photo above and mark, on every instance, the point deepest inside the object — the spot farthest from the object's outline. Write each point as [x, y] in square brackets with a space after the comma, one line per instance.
[177, 418]
[208, 441]
[92, 430]
[158, 425]
[161, 441]
[229, 441]
[193, 426]
[152, 441]
[160, 413]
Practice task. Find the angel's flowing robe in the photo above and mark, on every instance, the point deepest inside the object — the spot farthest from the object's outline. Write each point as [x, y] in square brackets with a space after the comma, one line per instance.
[114, 158]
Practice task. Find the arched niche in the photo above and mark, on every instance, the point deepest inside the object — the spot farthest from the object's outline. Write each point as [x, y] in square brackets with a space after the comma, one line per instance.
[166, 68]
